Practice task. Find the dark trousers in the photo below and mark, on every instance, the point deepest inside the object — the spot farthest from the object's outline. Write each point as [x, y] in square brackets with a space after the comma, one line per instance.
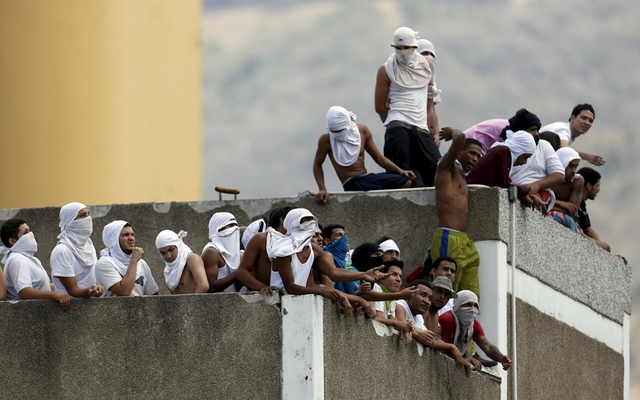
[412, 148]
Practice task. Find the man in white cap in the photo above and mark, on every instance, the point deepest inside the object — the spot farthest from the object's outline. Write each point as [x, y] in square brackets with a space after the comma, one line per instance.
[25, 275]
[345, 144]
[390, 250]
[184, 270]
[221, 255]
[121, 269]
[73, 259]
[460, 327]
[580, 121]
[404, 97]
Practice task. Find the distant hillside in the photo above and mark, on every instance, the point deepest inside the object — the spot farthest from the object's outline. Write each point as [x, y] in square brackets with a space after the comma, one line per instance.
[273, 68]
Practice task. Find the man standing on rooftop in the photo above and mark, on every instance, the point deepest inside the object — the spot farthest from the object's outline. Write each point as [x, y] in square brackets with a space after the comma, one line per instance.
[404, 100]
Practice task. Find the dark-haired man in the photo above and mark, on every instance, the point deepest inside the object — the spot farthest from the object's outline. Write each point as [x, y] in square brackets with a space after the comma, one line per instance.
[121, 269]
[412, 310]
[255, 267]
[580, 121]
[452, 206]
[25, 275]
[591, 189]
[336, 242]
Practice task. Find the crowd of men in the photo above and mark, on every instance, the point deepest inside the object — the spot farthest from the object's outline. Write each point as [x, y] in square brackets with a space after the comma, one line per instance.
[290, 252]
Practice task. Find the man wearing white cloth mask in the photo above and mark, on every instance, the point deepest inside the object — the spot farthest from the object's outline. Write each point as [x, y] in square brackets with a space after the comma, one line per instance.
[345, 144]
[73, 259]
[460, 326]
[121, 268]
[294, 255]
[255, 267]
[25, 276]
[184, 270]
[404, 100]
[221, 256]
[494, 168]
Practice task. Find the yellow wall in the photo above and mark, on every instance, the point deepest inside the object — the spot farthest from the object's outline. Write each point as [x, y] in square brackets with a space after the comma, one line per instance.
[100, 101]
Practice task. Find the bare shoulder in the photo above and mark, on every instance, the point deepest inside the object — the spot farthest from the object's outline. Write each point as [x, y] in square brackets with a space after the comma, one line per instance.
[317, 250]
[364, 129]
[193, 258]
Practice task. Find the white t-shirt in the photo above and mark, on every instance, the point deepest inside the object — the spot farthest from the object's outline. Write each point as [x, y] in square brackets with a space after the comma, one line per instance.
[300, 271]
[562, 129]
[408, 105]
[22, 272]
[418, 321]
[542, 163]
[107, 276]
[64, 264]
[382, 305]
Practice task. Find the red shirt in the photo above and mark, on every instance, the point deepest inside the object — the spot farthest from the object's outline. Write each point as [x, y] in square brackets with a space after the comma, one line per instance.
[448, 324]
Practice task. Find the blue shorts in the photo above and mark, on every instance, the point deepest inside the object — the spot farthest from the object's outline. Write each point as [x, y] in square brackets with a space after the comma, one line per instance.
[380, 181]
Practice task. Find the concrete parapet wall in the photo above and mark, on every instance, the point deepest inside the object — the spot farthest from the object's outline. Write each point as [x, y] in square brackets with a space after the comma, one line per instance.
[545, 250]
[217, 346]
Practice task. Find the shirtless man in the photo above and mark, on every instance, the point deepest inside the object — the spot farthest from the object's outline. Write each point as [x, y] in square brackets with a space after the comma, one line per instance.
[451, 203]
[345, 144]
[184, 270]
[255, 268]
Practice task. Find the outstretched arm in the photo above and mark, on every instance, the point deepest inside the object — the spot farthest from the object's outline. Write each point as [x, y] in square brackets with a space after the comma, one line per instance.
[449, 159]
[492, 352]
[324, 146]
[323, 264]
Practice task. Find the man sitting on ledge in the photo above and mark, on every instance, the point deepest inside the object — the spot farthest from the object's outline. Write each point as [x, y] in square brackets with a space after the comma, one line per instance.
[345, 143]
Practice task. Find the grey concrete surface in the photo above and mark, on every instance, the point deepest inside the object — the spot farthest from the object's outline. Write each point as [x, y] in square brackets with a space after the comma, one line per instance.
[556, 361]
[220, 346]
[545, 250]
[359, 364]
